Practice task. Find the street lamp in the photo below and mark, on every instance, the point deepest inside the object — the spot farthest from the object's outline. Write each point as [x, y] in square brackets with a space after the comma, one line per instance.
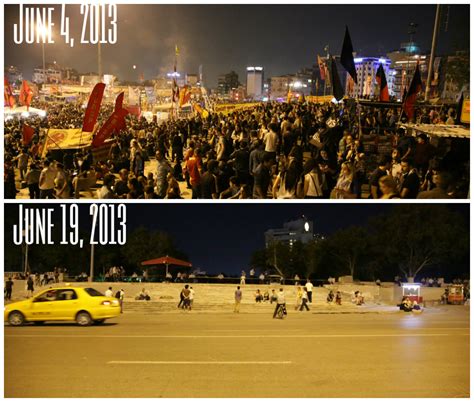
[42, 30]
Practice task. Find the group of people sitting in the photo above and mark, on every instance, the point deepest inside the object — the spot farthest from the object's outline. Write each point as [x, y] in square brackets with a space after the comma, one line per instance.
[408, 305]
[331, 298]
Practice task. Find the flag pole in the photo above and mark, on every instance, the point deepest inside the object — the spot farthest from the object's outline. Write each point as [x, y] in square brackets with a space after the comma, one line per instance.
[433, 47]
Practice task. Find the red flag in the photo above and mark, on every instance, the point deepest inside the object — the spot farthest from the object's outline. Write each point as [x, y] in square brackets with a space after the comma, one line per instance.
[413, 90]
[9, 99]
[112, 124]
[28, 133]
[26, 94]
[93, 107]
[119, 101]
[322, 68]
[382, 81]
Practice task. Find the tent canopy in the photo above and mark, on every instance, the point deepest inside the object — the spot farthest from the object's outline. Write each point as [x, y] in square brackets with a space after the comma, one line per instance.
[439, 130]
[167, 261]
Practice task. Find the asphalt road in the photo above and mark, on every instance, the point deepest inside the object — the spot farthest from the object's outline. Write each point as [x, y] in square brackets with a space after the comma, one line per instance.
[245, 355]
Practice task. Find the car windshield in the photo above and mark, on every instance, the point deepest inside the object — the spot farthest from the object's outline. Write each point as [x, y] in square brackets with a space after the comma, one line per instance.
[93, 292]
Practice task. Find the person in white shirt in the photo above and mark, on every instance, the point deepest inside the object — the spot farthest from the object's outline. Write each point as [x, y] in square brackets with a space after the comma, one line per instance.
[309, 290]
[281, 301]
[271, 140]
[46, 183]
[108, 292]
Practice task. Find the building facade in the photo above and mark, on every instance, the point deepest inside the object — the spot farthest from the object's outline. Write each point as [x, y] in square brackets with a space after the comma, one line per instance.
[366, 69]
[299, 230]
[254, 82]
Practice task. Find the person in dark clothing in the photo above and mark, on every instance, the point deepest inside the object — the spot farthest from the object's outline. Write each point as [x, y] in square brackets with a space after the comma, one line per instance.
[241, 159]
[8, 289]
[209, 181]
[383, 165]
[262, 177]
[410, 184]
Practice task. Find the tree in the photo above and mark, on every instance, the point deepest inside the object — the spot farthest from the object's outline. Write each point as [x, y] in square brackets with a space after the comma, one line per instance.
[348, 246]
[419, 236]
[143, 244]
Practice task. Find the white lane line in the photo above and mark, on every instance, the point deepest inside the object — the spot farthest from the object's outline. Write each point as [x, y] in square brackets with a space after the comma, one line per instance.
[404, 335]
[196, 362]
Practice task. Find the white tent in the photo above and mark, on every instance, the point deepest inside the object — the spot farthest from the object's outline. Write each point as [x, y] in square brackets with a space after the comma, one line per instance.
[438, 130]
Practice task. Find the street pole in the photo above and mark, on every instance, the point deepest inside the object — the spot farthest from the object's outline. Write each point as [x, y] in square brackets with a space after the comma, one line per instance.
[26, 258]
[44, 63]
[433, 46]
[99, 51]
[91, 273]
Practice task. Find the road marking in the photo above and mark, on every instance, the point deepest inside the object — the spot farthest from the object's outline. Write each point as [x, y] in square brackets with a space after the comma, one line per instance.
[196, 362]
[404, 335]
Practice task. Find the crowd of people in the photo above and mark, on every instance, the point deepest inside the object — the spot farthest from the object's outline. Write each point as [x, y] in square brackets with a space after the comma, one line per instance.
[274, 150]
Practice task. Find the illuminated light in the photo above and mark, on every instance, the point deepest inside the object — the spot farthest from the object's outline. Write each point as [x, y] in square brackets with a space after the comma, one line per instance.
[382, 61]
[134, 67]
[265, 98]
[25, 114]
[358, 60]
[309, 81]
[258, 68]
[297, 84]
[250, 68]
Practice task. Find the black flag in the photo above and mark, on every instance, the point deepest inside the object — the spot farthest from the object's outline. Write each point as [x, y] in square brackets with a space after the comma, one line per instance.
[337, 90]
[347, 57]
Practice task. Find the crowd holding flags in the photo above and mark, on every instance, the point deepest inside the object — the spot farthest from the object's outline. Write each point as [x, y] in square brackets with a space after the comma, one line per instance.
[93, 107]
[9, 99]
[26, 94]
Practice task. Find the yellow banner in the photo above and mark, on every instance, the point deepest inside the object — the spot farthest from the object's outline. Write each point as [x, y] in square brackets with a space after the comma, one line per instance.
[226, 108]
[319, 99]
[57, 138]
[466, 112]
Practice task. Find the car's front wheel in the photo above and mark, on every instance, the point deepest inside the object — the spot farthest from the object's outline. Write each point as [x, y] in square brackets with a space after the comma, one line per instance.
[83, 318]
[16, 318]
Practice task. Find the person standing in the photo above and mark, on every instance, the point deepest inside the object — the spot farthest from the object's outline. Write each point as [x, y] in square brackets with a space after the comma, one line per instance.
[46, 182]
[29, 287]
[281, 301]
[191, 297]
[186, 298]
[108, 292]
[299, 297]
[309, 290]
[238, 299]
[8, 289]
[120, 296]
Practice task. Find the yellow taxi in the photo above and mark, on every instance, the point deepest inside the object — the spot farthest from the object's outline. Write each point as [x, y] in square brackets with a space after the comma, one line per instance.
[86, 306]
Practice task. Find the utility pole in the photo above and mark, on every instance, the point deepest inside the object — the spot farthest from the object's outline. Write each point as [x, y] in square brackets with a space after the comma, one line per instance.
[433, 47]
[99, 50]
[91, 272]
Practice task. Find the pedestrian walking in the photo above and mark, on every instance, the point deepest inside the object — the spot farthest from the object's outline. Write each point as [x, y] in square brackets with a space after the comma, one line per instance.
[304, 301]
[8, 289]
[309, 290]
[299, 297]
[186, 300]
[238, 299]
[29, 287]
[191, 297]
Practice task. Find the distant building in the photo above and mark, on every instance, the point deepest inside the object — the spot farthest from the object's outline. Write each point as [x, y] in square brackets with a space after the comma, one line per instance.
[238, 94]
[299, 84]
[366, 69]
[192, 79]
[227, 82]
[293, 231]
[254, 82]
[455, 75]
[13, 74]
[89, 79]
[404, 61]
[50, 75]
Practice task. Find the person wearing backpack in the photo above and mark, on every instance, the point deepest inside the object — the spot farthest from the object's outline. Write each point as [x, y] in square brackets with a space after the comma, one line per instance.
[120, 296]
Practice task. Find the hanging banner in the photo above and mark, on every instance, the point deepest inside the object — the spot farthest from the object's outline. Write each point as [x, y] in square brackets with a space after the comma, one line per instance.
[93, 107]
[112, 124]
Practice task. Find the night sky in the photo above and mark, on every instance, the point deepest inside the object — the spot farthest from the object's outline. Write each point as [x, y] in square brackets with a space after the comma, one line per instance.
[222, 237]
[281, 38]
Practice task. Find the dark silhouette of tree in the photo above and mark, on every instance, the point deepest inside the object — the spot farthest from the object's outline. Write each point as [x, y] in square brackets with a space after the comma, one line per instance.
[419, 236]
